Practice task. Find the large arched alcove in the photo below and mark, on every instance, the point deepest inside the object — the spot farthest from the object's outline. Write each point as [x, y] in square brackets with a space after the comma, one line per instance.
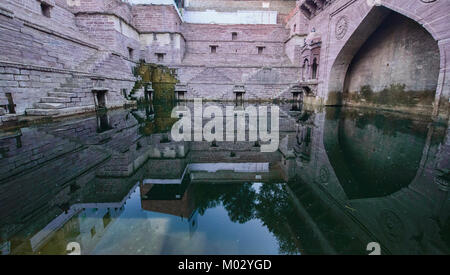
[390, 61]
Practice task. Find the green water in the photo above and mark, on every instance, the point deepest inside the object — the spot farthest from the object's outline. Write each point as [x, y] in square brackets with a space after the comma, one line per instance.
[115, 183]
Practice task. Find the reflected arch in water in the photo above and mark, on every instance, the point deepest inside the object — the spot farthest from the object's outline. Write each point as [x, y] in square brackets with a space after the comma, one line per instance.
[373, 154]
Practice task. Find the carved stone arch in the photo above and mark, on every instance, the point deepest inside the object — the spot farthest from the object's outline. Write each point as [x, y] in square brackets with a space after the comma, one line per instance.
[354, 39]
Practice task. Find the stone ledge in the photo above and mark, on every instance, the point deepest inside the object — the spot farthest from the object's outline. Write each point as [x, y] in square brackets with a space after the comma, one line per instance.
[56, 70]
[6, 12]
[41, 112]
[75, 110]
[8, 117]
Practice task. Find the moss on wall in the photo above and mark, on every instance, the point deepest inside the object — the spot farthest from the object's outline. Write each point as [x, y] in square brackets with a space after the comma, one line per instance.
[334, 99]
[394, 95]
[163, 80]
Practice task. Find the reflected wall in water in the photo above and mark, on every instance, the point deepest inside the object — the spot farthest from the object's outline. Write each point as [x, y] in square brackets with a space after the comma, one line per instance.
[340, 179]
[374, 154]
[380, 169]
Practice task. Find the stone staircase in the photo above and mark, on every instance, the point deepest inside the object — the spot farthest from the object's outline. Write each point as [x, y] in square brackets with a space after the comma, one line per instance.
[67, 96]
[326, 230]
[95, 60]
[70, 92]
[287, 93]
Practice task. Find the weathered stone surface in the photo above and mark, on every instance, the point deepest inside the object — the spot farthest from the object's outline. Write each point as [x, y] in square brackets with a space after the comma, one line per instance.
[61, 94]
[49, 105]
[41, 112]
[9, 117]
[54, 99]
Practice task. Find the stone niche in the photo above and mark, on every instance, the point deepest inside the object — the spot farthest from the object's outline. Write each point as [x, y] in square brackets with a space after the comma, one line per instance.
[239, 91]
[46, 7]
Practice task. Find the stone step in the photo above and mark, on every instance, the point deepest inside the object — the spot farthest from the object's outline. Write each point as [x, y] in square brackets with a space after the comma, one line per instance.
[54, 175]
[49, 105]
[51, 99]
[62, 94]
[41, 112]
[70, 85]
[65, 90]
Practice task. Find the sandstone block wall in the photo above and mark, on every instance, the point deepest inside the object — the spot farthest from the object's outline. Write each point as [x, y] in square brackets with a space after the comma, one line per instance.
[24, 42]
[156, 18]
[40, 55]
[236, 60]
[282, 7]
[217, 83]
[234, 52]
[110, 32]
[170, 45]
[119, 9]
[28, 149]
[29, 84]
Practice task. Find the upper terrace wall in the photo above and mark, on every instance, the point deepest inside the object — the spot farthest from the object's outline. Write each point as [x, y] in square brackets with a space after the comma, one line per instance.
[239, 51]
[110, 32]
[156, 18]
[213, 32]
[159, 28]
[24, 43]
[281, 6]
[113, 7]
[62, 19]
[63, 40]
[239, 17]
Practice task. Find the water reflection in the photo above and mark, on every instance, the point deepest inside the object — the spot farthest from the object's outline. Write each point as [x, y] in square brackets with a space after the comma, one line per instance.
[374, 154]
[117, 184]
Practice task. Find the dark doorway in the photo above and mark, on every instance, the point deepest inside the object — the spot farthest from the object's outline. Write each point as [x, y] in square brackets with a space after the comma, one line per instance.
[11, 105]
[239, 97]
[100, 99]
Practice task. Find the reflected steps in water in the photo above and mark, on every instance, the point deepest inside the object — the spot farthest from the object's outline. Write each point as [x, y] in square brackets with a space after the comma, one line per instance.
[58, 172]
[338, 236]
